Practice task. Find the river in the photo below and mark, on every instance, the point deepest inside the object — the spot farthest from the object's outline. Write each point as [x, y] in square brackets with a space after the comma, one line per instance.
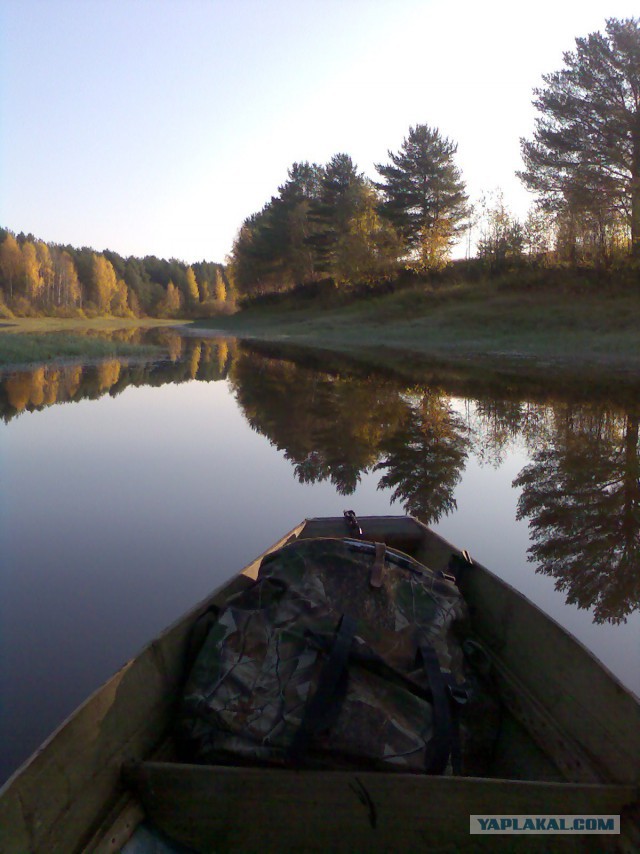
[129, 490]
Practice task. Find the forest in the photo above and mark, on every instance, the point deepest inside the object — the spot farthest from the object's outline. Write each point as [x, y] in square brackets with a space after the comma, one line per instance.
[332, 224]
[582, 163]
[38, 278]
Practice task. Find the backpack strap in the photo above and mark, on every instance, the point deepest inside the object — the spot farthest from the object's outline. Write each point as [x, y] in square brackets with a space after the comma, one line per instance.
[458, 696]
[327, 696]
[440, 746]
[377, 570]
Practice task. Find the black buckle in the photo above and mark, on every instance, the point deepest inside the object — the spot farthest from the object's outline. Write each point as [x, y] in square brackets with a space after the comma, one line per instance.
[352, 523]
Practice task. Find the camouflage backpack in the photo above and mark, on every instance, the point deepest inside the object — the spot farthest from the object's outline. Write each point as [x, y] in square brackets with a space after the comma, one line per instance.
[343, 653]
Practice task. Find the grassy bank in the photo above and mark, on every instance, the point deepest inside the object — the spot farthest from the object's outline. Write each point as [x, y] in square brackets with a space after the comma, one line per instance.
[31, 340]
[24, 325]
[577, 329]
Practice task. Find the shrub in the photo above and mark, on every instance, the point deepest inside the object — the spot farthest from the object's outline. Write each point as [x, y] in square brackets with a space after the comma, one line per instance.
[5, 311]
[214, 307]
[21, 307]
[67, 311]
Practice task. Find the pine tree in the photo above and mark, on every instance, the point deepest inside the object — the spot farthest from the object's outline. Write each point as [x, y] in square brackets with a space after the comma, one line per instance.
[585, 152]
[333, 209]
[423, 192]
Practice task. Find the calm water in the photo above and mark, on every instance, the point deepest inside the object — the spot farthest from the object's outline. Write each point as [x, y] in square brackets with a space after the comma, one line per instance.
[128, 492]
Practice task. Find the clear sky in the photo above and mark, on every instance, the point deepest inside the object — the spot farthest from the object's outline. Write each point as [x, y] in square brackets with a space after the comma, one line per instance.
[157, 126]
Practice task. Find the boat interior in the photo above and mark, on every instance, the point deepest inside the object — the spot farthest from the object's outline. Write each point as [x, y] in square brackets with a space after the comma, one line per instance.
[536, 759]
[567, 743]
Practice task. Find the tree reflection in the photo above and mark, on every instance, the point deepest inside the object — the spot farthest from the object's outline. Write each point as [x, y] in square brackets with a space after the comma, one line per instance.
[46, 385]
[495, 424]
[581, 493]
[337, 428]
[424, 459]
[329, 426]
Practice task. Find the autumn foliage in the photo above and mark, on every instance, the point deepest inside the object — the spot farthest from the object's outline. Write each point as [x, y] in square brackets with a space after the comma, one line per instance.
[38, 278]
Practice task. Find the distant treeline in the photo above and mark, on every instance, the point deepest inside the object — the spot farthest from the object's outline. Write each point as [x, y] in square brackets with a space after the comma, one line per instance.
[329, 223]
[44, 278]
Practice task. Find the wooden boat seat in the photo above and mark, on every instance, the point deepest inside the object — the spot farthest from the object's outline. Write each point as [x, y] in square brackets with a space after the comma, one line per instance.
[261, 809]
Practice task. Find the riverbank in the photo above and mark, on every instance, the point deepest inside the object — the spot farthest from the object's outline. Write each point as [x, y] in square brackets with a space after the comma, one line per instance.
[577, 331]
[548, 330]
[30, 340]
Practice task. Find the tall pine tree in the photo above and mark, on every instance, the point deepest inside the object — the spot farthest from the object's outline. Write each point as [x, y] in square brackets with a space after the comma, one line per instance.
[423, 193]
[585, 152]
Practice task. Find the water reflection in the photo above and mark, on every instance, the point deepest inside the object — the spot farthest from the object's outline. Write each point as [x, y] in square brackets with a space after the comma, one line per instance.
[337, 427]
[330, 426]
[579, 492]
[186, 359]
[581, 495]
[424, 458]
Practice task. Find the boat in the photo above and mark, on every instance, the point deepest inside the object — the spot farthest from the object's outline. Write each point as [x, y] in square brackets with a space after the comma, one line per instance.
[569, 744]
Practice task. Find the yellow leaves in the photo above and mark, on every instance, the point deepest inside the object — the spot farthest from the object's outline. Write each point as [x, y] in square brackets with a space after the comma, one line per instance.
[110, 293]
[193, 294]
[72, 377]
[174, 298]
[104, 283]
[51, 387]
[169, 305]
[32, 278]
[369, 248]
[435, 245]
[173, 342]
[10, 261]
[134, 304]
[435, 410]
[194, 360]
[5, 311]
[222, 353]
[42, 386]
[119, 300]
[38, 276]
[69, 284]
[18, 390]
[36, 392]
[220, 289]
[45, 264]
[108, 374]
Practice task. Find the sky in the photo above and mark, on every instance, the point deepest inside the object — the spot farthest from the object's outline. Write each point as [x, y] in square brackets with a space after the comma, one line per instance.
[155, 127]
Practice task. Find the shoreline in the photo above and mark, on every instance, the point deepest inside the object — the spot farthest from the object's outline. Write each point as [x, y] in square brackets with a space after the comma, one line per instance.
[509, 360]
[26, 343]
[570, 354]
[551, 336]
